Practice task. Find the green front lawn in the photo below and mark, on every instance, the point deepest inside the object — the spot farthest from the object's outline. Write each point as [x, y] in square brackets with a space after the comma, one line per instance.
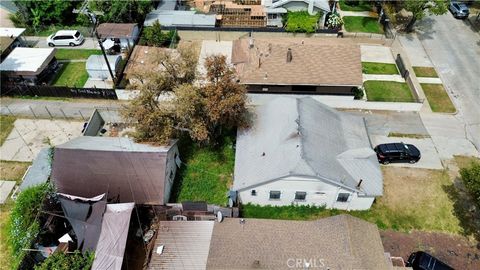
[6, 126]
[205, 174]
[71, 74]
[438, 98]
[403, 207]
[425, 72]
[388, 91]
[302, 22]
[362, 24]
[75, 54]
[362, 6]
[379, 68]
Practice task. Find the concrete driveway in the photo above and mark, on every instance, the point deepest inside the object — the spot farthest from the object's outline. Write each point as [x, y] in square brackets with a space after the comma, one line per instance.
[449, 134]
[430, 158]
[29, 136]
[453, 47]
[376, 53]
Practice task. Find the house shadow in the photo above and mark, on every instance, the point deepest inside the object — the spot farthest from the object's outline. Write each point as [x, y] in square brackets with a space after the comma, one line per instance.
[464, 208]
[472, 24]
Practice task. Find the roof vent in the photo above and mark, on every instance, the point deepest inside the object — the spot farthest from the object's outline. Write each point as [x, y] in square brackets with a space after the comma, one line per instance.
[266, 76]
[359, 183]
[250, 42]
[289, 55]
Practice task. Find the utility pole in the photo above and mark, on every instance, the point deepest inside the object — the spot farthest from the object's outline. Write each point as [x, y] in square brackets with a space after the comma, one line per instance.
[93, 18]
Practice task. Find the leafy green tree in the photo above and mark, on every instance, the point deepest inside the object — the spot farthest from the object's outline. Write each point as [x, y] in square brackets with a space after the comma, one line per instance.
[471, 180]
[72, 261]
[125, 11]
[154, 36]
[43, 13]
[421, 8]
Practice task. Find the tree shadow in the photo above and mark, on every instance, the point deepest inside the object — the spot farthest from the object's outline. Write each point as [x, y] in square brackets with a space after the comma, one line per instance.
[464, 208]
[424, 28]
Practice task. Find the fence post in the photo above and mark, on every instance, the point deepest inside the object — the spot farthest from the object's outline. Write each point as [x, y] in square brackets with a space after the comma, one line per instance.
[32, 111]
[64, 115]
[48, 112]
[83, 117]
[10, 111]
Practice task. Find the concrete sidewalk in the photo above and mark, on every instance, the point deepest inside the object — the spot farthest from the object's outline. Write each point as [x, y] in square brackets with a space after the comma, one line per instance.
[429, 80]
[382, 77]
[358, 13]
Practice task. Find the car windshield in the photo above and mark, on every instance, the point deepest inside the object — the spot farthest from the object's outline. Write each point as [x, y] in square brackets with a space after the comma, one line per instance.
[77, 34]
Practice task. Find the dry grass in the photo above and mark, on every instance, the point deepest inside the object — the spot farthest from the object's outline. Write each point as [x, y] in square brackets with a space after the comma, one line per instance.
[425, 72]
[407, 135]
[6, 126]
[419, 196]
[438, 98]
[13, 170]
[465, 161]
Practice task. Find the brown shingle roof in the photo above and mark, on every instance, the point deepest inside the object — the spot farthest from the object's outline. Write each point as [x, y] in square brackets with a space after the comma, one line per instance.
[116, 30]
[340, 242]
[314, 62]
[144, 58]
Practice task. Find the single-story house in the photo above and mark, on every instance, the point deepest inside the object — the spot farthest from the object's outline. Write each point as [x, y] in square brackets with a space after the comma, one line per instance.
[300, 151]
[338, 242]
[9, 39]
[275, 9]
[97, 68]
[124, 34]
[106, 160]
[31, 66]
[310, 66]
[180, 18]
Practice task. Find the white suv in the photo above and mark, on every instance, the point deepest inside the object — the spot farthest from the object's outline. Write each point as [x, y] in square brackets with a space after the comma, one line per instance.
[65, 38]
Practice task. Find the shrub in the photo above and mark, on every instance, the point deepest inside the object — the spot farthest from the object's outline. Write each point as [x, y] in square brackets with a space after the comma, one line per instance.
[154, 36]
[23, 227]
[72, 261]
[302, 22]
[471, 180]
[357, 93]
[334, 21]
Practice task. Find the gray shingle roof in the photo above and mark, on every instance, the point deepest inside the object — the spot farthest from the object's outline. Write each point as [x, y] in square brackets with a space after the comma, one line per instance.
[301, 136]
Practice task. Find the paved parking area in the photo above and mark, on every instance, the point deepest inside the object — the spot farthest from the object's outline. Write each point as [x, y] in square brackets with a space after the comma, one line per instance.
[430, 158]
[29, 136]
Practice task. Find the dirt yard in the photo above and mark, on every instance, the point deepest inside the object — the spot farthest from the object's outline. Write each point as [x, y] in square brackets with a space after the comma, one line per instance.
[457, 251]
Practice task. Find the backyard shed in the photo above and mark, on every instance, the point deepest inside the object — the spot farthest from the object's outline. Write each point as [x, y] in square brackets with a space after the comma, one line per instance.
[124, 34]
[97, 67]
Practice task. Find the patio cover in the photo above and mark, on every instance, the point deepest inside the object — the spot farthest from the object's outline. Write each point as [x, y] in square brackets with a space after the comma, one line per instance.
[85, 216]
[113, 238]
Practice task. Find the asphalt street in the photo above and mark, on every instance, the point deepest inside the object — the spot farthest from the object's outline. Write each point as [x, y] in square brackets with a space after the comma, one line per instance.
[453, 47]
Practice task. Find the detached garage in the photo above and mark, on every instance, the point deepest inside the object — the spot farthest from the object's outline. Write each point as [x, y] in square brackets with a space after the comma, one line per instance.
[97, 67]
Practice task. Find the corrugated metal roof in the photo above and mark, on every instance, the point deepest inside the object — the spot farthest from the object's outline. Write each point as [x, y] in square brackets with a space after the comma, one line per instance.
[301, 136]
[186, 245]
